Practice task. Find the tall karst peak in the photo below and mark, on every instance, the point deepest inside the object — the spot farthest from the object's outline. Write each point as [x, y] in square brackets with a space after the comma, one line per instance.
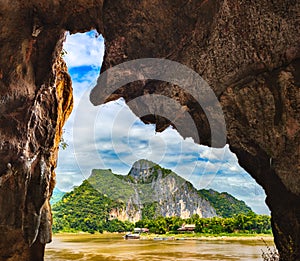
[146, 171]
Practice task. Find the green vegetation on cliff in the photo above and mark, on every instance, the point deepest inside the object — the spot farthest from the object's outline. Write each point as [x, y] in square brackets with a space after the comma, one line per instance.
[225, 204]
[111, 185]
[85, 209]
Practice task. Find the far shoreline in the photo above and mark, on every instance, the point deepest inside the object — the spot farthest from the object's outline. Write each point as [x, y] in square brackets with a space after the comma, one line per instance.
[195, 236]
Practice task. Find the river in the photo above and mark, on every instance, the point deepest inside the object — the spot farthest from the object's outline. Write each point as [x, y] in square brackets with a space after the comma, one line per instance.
[115, 248]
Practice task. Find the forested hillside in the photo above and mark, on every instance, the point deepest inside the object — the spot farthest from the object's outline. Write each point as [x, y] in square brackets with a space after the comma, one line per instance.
[148, 194]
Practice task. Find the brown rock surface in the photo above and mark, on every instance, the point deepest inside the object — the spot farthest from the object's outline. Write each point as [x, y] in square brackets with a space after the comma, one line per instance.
[248, 51]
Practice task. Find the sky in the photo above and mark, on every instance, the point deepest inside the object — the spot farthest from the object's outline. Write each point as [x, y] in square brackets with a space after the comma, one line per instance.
[110, 136]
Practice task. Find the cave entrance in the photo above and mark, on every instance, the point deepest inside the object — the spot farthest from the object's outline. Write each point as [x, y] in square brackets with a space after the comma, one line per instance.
[118, 138]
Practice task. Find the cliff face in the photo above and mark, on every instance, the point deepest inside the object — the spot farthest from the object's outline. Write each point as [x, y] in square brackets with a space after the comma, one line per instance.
[30, 151]
[35, 101]
[172, 195]
[150, 191]
[248, 51]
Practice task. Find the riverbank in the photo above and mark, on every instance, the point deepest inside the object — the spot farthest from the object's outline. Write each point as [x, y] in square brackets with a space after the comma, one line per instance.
[191, 236]
[259, 237]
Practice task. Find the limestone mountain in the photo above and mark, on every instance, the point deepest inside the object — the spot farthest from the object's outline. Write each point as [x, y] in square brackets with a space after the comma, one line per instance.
[148, 191]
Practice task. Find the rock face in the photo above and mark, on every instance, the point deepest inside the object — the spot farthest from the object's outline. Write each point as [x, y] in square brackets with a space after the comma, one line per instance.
[151, 188]
[248, 51]
[173, 195]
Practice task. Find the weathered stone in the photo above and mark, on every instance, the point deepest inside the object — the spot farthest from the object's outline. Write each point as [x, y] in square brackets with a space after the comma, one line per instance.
[248, 51]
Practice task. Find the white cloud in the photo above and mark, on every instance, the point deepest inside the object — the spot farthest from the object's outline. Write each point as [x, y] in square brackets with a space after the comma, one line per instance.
[84, 50]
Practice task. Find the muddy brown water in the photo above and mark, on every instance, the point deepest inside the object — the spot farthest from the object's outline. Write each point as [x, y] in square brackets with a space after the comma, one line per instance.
[115, 248]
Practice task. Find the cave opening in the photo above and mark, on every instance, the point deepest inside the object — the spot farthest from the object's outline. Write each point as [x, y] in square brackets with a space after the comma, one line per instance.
[112, 137]
[119, 138]
[258, 71]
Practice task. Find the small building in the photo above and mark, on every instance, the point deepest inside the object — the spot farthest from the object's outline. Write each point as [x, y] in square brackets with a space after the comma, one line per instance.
[187, 227]
[141, 230]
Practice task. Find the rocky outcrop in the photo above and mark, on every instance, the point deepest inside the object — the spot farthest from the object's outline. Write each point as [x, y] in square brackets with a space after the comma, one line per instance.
[127, 214]
[27, 181]
[173, 195]
[36, 99]
[152, 191]
[248, 51]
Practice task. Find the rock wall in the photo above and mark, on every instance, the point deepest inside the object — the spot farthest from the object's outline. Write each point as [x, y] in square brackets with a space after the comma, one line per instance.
[248, 51]
[36, 99]
[173, 195]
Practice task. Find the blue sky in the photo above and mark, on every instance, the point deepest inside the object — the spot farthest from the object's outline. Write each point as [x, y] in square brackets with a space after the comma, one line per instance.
[111, 136]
